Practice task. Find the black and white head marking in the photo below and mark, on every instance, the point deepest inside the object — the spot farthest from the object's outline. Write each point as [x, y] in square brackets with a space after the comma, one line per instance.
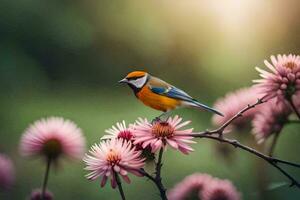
[138, 82]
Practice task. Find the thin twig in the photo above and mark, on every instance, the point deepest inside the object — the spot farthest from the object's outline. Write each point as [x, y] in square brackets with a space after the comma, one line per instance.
[272, 161]
[293, 122]
[221, 129]
[285, 162]
[274, 142]
[146, 174]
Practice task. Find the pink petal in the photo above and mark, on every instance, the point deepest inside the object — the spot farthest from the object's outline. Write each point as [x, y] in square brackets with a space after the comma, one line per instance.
[172, 143]
[126, 179]
[103, 181]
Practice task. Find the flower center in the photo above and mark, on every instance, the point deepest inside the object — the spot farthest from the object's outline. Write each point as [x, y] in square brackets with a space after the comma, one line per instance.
[126, 135]
[113, 157]
[162, 129]
[52, 148]
[290, 65]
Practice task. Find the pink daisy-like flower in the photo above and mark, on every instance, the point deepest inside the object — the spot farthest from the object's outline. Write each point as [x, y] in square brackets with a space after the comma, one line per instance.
[111, 157]
[233, 102]
[37, 195]
[283, 82]
[189, 187]
[217, 189]
[52, 138]
[270, 119]
[161, 133]
[7, 172]
[119, 131]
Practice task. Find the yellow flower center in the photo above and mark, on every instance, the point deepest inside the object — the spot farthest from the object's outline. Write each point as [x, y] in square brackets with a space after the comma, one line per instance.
[162, 129]
[290, 65]
[52, 148]
[113, 157]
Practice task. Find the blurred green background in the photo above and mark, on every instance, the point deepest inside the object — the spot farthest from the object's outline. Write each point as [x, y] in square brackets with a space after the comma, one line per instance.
[64, 58]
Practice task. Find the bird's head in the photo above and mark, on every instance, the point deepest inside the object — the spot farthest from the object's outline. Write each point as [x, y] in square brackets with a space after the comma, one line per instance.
[136, 80]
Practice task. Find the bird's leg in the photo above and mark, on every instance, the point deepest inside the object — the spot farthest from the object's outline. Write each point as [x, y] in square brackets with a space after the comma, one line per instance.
[159, 118]
[156, 119]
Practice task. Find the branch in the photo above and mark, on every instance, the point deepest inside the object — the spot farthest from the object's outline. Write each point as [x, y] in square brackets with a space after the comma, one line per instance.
[273, 144]
[157, 180]
[293, 122]
[221, 129]
[272, 161]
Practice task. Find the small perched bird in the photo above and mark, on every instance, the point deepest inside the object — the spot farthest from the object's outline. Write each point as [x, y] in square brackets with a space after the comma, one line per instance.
[159, 94]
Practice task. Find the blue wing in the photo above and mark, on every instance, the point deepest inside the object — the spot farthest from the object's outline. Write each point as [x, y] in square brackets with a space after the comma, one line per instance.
[173, 92]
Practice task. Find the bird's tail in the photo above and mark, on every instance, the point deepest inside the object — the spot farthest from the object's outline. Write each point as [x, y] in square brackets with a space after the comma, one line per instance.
[196, 104]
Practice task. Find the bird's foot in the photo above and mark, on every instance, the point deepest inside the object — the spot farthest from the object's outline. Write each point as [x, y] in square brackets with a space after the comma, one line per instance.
[155, 120]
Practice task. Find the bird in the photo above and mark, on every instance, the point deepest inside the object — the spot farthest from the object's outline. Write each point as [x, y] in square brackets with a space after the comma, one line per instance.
[160, 95]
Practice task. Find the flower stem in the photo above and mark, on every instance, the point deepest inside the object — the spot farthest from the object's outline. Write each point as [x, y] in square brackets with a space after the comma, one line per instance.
[272, 147]
[46, 177]
[294, 107]
[158, 179]
[120, 186]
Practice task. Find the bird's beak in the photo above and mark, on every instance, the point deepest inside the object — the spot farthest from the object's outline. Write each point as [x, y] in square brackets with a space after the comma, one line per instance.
[124, 80]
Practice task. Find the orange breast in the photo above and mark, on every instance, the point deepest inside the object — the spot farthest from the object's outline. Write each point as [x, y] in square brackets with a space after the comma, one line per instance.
[156, 101]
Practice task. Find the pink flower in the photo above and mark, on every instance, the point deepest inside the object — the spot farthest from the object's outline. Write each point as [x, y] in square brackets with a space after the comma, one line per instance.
[121, 131]
[283, 82]
[216, 189]
[7, 172]
[112, 157]
[161, 133]
[52, 138]
[233, 102]
[270, 119]
[189, 187]
[204, 187]
[37, 195]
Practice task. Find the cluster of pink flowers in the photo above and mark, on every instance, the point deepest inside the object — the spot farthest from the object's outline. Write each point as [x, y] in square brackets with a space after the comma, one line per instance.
[121, 150]
[204, 187]
[279, 87]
